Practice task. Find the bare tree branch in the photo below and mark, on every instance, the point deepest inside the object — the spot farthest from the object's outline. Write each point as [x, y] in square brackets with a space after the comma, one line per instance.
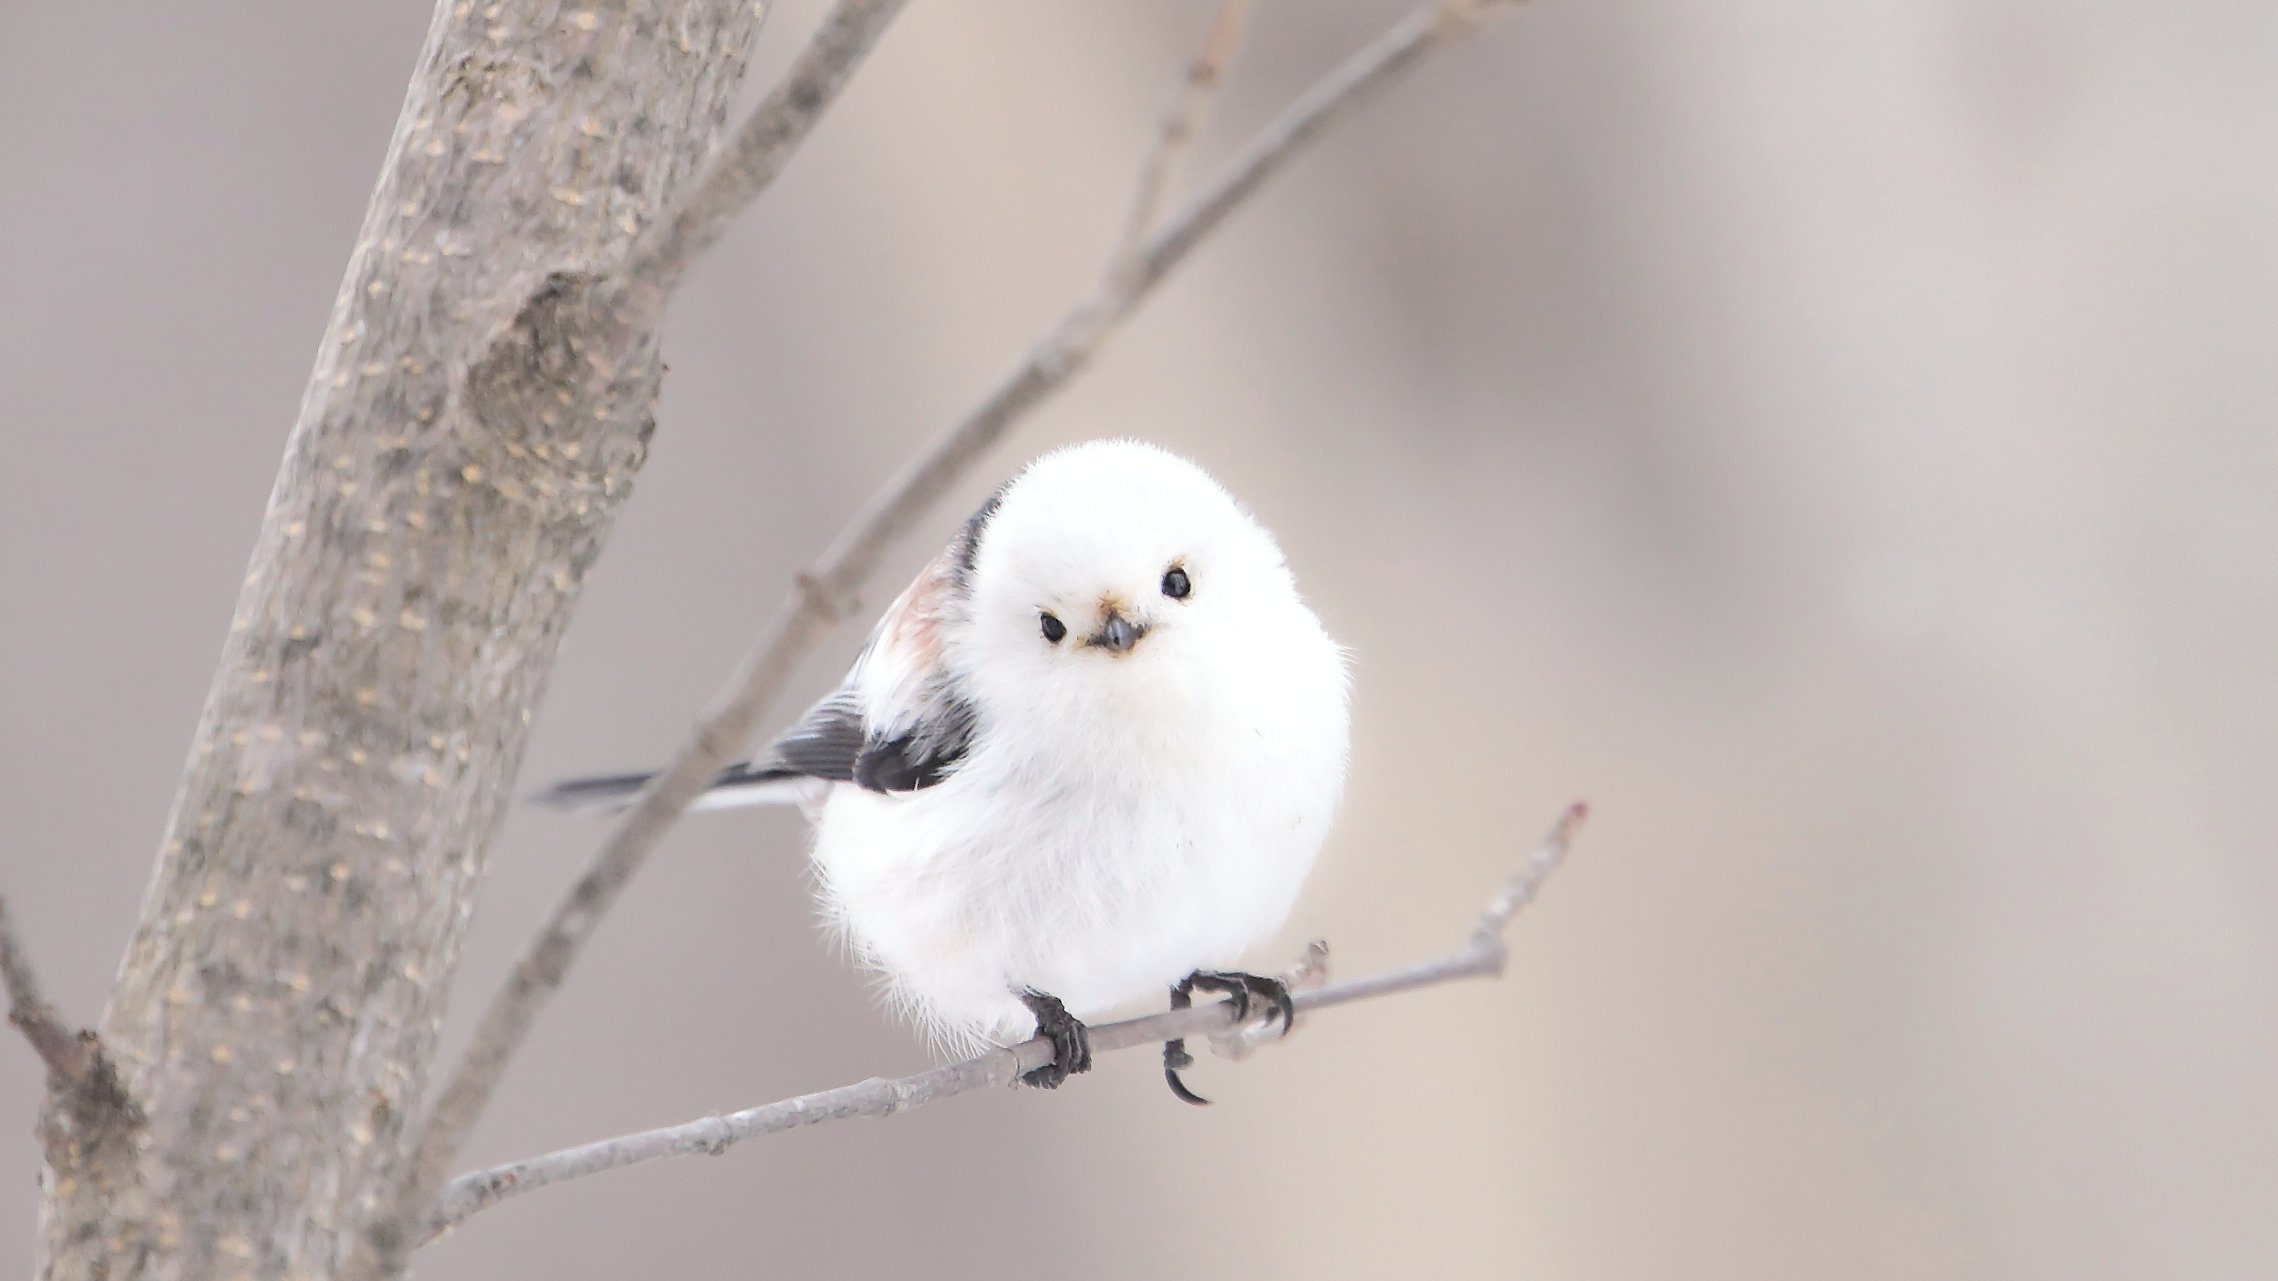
[753, 157]
[68, 1061]
[825, 594]
[1483, 955]
[1180, 126]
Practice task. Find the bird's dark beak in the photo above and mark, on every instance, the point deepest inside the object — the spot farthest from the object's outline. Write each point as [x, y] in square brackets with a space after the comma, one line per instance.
[1117, 634]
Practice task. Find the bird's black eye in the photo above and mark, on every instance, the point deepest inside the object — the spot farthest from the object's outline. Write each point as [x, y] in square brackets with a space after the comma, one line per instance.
[1054, 630]
[1176, 584]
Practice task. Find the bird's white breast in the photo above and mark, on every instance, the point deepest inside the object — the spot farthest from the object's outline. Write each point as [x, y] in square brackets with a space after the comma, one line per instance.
[1099, 848]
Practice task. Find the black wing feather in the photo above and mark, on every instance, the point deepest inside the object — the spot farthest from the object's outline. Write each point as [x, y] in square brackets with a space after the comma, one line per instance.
[924, 756]
[827, 742]
[832, 742]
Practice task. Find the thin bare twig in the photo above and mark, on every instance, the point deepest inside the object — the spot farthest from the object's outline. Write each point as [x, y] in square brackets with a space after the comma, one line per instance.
[752, 158]
[1483, 955]
[1181, 124]
[826, 593]
[69, 1061]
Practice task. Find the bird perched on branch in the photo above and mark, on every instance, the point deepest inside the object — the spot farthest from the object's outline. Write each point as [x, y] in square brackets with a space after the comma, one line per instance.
[1089, 754]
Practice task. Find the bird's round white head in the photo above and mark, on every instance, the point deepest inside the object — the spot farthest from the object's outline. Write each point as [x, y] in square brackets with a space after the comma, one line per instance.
[1112, 573]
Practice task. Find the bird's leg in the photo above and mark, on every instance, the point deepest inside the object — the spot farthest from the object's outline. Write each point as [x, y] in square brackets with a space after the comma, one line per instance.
[1071, 1041]
[1238, 988]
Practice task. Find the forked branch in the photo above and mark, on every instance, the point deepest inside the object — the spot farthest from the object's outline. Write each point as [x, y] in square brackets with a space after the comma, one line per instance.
[752, 156]
[68, 1060]
[88, 1108]
[1483, 955]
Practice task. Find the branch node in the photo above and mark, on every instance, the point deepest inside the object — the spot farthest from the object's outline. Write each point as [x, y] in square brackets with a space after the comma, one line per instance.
[1460, 17]
[833, 603]
[70, 1058]
[720, 1139]
[89, 1111]
[566, 344]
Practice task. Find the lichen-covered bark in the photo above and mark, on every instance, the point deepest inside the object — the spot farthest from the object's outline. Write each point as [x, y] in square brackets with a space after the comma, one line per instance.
[277, 1010]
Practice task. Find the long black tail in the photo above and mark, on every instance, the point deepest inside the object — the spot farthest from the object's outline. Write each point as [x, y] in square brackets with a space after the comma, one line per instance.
[744, 784]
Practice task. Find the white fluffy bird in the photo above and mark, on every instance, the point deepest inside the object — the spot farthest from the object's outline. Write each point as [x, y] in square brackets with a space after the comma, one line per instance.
[1088, 756]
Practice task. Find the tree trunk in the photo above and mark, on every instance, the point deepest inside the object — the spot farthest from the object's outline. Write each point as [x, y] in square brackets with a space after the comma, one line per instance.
[454, 470]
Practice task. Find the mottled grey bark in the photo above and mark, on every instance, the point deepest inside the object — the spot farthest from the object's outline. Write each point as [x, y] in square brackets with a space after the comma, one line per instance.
[464, 441]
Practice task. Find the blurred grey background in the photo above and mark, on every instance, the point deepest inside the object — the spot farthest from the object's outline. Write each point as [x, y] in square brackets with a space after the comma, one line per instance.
[1837, 440]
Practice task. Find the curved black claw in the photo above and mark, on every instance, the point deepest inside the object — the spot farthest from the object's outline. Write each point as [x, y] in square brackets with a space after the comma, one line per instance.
[1276, 994]
[1071, 1041]
[1238, 989]
[1175, 1057]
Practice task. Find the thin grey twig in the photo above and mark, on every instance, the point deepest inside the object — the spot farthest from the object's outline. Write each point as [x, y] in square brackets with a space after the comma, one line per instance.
[753, 156]
[1180, 126]
[1483, 955]
[69, 1060]
[826, 593]
[1523, 885]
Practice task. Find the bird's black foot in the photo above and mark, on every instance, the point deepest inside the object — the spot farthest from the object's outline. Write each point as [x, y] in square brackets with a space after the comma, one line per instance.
[1175, 1057]
[1071, 1041]
[1238, 988]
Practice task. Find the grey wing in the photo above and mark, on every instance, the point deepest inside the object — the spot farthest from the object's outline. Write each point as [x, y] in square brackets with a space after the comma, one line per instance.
[915, 725]
[899, 724]
[833, 742]
[836, 742]
[827, 742]
[925, 753]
